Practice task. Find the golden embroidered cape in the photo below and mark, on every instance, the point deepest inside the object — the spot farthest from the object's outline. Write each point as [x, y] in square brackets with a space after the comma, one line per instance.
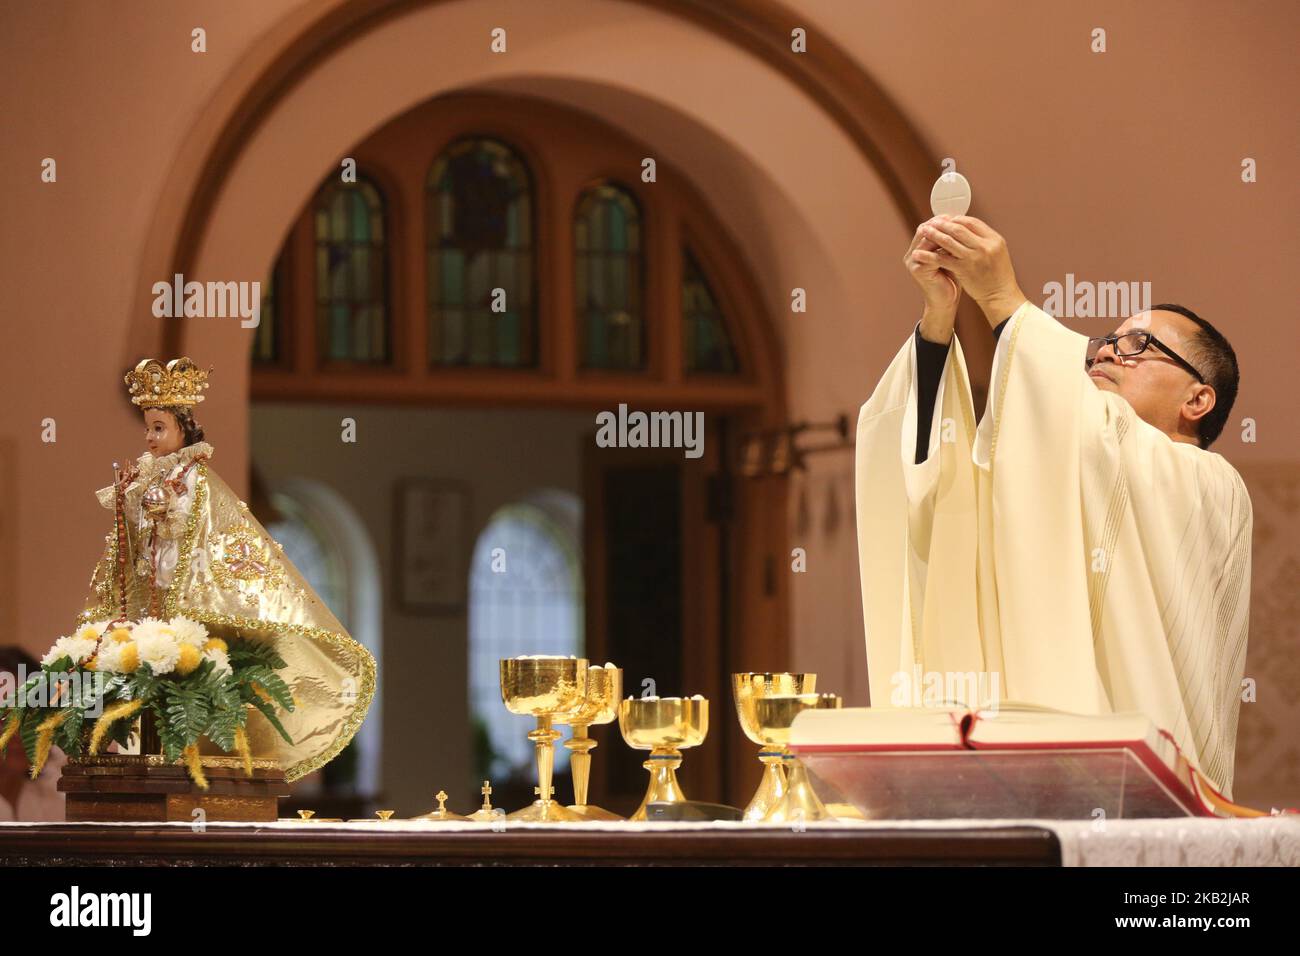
[232, 577]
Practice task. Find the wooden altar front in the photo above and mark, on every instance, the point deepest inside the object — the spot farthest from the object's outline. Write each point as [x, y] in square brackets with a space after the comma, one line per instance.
[75, 844]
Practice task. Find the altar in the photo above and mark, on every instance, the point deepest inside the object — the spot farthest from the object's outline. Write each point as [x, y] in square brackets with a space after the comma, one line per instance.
[1263, 841]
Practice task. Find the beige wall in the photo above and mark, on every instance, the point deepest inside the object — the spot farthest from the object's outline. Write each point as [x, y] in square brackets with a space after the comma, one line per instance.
[1117, 166]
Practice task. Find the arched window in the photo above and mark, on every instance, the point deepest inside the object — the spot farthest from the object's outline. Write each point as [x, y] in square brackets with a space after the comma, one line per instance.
[525, 597]
[519, 262]
[609, 276]
[706, 343]
[479, 238]
[304, 544]
[351, 273]
[326, 541]
[268, 337]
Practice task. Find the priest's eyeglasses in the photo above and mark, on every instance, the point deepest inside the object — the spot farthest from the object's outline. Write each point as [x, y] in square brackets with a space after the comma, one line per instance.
[1134, 343]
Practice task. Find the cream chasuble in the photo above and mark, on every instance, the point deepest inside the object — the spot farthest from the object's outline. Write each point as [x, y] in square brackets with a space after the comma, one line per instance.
[1065, 545]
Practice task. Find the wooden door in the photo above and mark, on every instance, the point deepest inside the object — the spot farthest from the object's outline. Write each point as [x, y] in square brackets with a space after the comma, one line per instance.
[654, 594]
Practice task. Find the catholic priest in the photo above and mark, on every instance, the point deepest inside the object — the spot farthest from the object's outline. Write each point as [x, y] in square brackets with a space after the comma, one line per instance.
[1081, 543]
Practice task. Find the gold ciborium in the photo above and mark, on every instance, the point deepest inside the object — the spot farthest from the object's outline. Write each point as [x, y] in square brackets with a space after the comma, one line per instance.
[544, 688]
[746, 688]
[604, 688]
[775, 715]
[663, 726]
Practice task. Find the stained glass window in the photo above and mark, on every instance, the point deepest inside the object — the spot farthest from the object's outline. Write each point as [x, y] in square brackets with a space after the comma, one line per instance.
[706, 342]
[525, 598]
[609, 279]
[351, 273]
[267, 338]
[479, 257]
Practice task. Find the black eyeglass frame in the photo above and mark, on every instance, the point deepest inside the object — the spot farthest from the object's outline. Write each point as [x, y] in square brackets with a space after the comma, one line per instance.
[1149, 339]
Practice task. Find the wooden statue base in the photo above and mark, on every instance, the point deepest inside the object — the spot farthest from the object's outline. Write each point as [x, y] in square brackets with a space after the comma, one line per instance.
[133, 789]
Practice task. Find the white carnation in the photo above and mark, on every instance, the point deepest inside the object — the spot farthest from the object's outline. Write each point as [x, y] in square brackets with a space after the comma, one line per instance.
[188, 631]
[91, 630]
[77, 647]
[220, 660]
[110, 657]
[157, 645]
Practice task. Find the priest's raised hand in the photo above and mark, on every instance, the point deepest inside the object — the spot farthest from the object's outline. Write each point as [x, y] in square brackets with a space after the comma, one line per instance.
[977, 255]
[939, 290]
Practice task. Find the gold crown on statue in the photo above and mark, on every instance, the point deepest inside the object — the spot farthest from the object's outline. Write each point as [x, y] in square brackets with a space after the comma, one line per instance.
[179, 382]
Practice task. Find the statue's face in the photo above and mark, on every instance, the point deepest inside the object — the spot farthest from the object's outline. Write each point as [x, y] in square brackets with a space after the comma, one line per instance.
[162, 433]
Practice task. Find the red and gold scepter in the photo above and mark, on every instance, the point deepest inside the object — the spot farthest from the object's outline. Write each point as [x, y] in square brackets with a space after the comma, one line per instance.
[119, 528]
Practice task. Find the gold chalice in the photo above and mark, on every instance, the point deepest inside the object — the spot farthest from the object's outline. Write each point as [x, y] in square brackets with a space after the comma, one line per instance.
[663, 726]
[544, 688]
[746, 688]
[775, 715]
[604, 688]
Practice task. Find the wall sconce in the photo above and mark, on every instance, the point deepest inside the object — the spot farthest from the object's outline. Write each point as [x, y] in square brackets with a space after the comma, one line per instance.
[777, 451]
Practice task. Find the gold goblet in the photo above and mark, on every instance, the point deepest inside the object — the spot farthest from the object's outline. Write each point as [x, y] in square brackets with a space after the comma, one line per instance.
[604, 688]
[663, 726]
[775, 715]
[746, 688]
[544, 688]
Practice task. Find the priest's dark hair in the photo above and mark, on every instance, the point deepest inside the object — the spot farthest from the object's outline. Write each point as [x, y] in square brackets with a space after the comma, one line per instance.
[1217, 362]
[191, 429]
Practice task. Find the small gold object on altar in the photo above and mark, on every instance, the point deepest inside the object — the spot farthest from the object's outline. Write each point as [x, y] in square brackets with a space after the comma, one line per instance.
[748, 687]
[306, 815]
[775, 715]
[441, 813]
[380, 817]
[545, 688]
[485, 813]
[604, 689]
[664, 726]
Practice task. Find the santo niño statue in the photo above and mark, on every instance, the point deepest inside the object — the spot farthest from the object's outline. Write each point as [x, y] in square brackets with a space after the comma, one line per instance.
[184, 544]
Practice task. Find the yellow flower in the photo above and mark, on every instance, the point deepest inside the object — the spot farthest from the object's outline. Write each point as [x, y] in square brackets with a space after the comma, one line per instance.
[243, 749]
[215, 643]
[112, 713]
[11, 728]
[121, 634]
[190, 658]
[195, 765]
[129, 657]
[45, 738]
[90, 662]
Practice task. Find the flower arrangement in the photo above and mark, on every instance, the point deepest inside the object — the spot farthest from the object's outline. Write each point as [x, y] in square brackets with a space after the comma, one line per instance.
[107, 672]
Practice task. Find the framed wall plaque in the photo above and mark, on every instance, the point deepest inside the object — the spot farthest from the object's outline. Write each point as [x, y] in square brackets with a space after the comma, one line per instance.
[432, 538]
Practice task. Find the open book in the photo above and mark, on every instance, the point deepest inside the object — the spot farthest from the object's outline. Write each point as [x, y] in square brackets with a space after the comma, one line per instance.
[1005, 727]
